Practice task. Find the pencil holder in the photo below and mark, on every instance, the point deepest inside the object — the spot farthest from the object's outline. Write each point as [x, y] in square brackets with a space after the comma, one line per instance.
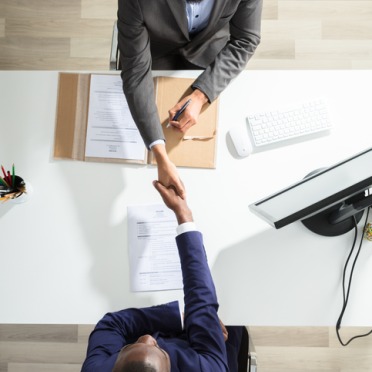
[18, 193]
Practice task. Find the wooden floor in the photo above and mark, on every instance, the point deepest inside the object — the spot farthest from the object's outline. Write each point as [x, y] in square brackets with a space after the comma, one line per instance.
[76, 34]
[61, 348]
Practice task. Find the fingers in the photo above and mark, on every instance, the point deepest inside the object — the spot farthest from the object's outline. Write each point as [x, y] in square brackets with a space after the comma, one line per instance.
[176, 189]
[183, 125]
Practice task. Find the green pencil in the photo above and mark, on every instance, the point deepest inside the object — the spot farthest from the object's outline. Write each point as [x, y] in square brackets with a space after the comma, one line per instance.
[13, 176]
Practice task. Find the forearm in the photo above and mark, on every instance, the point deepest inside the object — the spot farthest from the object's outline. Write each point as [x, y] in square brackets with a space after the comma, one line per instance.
[141, 102]
[201, 320]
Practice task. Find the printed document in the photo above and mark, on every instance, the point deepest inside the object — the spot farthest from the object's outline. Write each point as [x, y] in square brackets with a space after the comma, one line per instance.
[153, 255]
[111, 131]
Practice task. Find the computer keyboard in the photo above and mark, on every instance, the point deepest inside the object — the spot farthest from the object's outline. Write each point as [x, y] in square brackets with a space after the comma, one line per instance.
[298, 121]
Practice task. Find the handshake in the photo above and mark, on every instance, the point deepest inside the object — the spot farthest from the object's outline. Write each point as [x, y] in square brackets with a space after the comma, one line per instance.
[175, 202]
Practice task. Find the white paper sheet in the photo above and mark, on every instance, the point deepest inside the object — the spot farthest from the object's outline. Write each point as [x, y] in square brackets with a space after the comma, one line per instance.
[111, 131]
[153, 254]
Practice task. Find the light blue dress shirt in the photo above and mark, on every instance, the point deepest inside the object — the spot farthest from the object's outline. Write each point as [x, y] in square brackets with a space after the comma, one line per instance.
[198, 15]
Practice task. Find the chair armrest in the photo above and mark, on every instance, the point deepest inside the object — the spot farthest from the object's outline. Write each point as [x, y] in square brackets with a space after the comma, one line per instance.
[252, 355]
[114, 48]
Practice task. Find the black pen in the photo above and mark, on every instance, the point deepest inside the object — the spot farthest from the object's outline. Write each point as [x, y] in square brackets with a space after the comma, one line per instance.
[180, 111]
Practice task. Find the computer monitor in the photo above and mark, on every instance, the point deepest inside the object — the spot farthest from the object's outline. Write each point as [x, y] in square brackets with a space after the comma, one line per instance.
[325, 200]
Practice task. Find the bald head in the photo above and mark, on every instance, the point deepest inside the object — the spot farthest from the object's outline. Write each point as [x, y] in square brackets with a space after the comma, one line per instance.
[143, 356]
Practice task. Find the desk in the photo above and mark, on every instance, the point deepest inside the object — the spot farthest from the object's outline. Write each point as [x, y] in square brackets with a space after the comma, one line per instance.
[64, 254]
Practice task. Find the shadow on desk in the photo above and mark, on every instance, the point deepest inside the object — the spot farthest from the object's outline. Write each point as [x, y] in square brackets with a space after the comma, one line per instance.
[288, 276]
[100, 210]
[5, 208]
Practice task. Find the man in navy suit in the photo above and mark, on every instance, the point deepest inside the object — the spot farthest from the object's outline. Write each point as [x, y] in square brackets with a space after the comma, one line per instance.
[158, 338]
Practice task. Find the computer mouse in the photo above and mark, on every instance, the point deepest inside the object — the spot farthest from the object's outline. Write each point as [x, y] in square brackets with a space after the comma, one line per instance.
[240, 140]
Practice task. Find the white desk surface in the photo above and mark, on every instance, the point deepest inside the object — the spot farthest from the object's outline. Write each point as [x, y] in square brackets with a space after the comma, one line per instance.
[64, 254]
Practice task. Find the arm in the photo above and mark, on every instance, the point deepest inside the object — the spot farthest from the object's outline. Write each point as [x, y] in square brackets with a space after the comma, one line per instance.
[201, 321]
[244, 38]
[135, 57]
[138, 86]
[245, 26]
[123, 327]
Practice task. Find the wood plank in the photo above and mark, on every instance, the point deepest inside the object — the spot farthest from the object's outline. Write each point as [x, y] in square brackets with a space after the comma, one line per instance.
[41, 8]
[39, 333]
[291, 30]
[290, 336]
[38, 367]
[340, 10]
[58, 28]
[102, 9]
[333, 49]
[42, 352]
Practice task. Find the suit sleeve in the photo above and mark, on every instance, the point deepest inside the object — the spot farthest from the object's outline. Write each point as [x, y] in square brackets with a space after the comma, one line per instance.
[245, 28]
[201, 321]
[135, 58]
[117, 329]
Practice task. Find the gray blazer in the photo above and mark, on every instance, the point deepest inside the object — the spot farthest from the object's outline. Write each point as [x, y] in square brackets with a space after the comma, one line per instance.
[149, 30]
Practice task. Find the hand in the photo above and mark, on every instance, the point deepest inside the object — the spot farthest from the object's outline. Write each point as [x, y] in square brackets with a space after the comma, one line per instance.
[174, 202]
[167, 171]
[191, 114]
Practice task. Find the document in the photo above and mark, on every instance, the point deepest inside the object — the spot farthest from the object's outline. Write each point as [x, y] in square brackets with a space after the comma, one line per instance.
[94, 123]
[153, 255]
[111, 131]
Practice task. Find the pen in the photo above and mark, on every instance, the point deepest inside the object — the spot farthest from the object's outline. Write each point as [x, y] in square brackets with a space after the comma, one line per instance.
[180, 111]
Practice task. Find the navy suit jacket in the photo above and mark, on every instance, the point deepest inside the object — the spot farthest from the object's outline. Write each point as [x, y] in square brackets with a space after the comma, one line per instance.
[198, 347]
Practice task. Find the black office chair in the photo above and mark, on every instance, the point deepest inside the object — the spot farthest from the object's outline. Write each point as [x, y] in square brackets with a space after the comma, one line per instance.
[252, 356]
[114, 54]
[247, 358]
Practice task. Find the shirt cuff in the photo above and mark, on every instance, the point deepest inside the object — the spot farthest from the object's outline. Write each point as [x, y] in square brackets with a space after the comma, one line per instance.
[157, 142]
[186, 227]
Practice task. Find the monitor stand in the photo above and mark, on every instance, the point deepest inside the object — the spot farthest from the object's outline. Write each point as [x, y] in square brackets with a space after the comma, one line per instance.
[321, 223]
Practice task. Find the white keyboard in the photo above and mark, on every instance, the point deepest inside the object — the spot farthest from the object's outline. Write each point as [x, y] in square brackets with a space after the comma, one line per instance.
[301, 120]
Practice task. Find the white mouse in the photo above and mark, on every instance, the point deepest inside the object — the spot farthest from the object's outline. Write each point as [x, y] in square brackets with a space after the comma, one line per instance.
[241, 141]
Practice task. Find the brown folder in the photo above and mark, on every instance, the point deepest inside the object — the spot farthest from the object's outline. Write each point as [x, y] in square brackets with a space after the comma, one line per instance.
[197, 148]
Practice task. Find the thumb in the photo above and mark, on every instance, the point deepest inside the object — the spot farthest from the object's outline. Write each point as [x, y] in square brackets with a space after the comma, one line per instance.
[159, 187]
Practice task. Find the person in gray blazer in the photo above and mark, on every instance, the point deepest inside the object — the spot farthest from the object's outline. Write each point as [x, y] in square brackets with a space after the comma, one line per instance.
[217, 36]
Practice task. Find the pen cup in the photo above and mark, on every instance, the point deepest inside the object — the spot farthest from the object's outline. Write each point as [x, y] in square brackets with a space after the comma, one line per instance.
[21, 191]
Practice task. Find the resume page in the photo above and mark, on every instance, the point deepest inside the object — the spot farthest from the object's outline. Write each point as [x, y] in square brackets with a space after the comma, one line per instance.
[153, 253]
[111, 131]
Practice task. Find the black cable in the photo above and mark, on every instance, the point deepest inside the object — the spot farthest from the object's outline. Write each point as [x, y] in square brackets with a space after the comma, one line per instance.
[346, 296]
